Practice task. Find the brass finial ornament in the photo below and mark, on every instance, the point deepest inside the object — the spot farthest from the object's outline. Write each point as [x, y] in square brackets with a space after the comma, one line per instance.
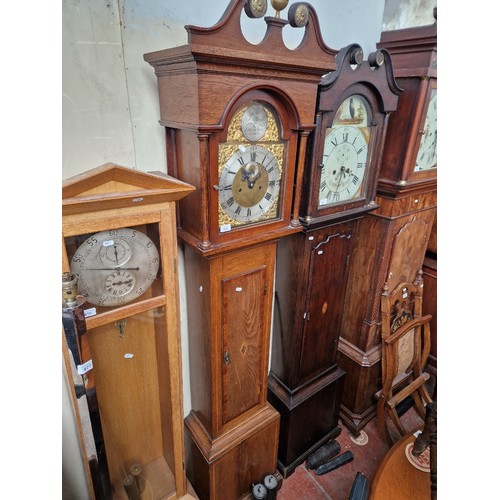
[279, 5]
[298, 15]
[255, 8]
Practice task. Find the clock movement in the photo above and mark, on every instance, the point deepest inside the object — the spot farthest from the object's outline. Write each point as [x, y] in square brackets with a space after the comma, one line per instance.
[392, 240]
[120, 250]
[237, 116]
[305, 383]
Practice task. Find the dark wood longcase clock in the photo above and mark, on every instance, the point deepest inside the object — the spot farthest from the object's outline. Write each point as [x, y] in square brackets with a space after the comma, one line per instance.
[237, 117]
[305, 382]
[393, 239]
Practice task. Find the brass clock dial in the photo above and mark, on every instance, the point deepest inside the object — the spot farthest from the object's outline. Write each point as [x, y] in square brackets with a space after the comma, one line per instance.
[345, 154]
[115, 267]
[250, 168]
[249, 184]
[427, 151]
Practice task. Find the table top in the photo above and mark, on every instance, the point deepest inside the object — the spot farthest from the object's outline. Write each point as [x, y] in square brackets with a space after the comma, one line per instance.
[397, 479]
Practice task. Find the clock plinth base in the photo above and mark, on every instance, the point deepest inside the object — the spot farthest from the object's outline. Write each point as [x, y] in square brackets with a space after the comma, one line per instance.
[309, 417]
[228, 465]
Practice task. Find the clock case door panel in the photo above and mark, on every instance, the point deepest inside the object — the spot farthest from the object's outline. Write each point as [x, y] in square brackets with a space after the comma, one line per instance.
[242, 342]
[375, 84]
[305, 383]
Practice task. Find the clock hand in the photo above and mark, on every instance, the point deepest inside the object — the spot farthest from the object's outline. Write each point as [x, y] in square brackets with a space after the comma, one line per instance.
[251, 184]
[111, 269]
[116, 254]
[123, 282]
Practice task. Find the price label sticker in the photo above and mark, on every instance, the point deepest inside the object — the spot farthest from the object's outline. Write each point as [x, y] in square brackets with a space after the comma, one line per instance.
[225, 228]
[82, 369]
[89, 312]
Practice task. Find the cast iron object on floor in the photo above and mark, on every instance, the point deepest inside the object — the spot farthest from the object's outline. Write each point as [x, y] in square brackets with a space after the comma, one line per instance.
[428, 438]
[323, 454]
[360, 488]
[337, 462]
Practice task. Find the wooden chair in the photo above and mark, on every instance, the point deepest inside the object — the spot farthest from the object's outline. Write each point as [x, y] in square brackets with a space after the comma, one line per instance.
[406, 343]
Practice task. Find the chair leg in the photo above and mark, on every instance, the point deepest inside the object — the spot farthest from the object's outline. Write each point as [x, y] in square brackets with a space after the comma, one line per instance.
[382, 423]
[419, 406]
[399, 426]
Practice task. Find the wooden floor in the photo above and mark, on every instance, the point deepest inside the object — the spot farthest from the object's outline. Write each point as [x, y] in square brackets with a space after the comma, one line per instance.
[304, 484]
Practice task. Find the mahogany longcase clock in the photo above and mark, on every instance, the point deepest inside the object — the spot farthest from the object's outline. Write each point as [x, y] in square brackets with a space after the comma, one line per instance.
[237, 117]
[392, 240]
[344, 154]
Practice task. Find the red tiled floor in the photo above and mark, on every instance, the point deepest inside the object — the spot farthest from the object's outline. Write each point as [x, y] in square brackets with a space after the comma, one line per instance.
[304, 484]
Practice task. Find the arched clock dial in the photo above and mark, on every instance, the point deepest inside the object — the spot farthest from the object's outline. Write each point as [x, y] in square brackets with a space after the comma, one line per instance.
[249, 184]
[250, 168]
[115, 267]
[345, 154]
[427, 151]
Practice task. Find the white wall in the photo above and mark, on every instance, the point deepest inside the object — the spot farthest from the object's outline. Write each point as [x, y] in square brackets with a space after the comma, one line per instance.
[110, 105]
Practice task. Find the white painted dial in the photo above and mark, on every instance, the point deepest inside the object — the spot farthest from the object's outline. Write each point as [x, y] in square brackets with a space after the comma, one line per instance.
[344, 164]
[427, 150]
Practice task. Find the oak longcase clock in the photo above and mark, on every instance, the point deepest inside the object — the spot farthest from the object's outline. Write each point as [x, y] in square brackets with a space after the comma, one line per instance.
[120, 250]
[237, 116]
[305, 383]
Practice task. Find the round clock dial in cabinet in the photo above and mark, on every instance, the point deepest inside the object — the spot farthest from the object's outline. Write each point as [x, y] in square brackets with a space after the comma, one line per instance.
[120, 251]
[237, 117]
[393, 239]
[312, 270]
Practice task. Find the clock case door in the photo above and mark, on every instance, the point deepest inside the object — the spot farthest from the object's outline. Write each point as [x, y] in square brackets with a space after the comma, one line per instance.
[374, 81]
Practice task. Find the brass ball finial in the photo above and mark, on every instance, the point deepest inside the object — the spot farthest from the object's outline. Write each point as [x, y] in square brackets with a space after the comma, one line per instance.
[279, 5]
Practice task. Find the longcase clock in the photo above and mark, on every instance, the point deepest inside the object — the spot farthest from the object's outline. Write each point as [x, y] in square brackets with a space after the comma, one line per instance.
[120, 247]
[237, 117]
[344, 154]
[392, 240]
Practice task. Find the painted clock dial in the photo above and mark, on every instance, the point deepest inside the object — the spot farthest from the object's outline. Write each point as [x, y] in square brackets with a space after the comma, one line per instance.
[115, 267]
[427, 151]
[345, 154]
[250, 168]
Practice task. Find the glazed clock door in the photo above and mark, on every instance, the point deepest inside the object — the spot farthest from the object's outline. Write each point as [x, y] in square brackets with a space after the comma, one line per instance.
[329, 252]
[345, 153]
[252, 166]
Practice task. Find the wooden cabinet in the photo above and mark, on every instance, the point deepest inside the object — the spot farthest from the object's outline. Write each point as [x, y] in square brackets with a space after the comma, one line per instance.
[132, 339]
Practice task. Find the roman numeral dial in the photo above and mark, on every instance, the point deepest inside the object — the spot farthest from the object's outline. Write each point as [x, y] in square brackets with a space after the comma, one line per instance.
[249, 185]
[344, 165]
